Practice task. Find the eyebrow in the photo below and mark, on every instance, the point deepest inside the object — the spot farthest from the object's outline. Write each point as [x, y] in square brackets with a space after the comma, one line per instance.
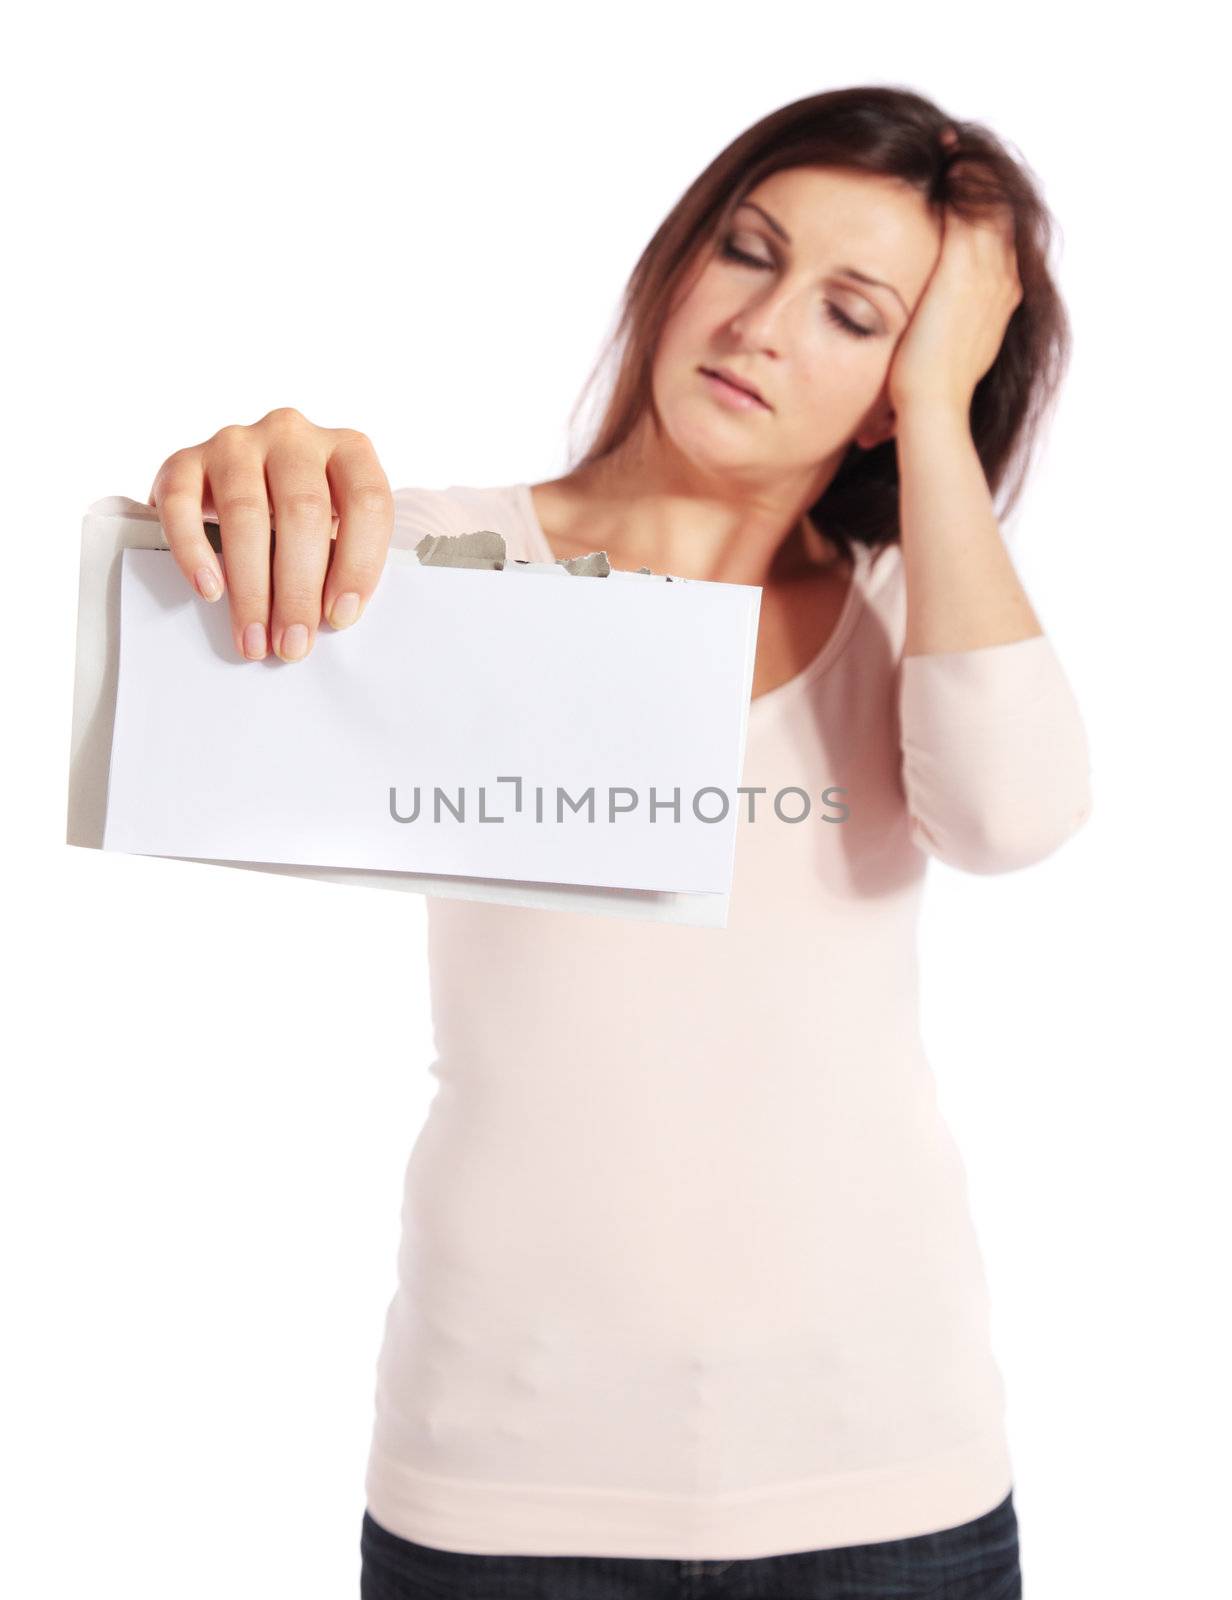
[847, 272]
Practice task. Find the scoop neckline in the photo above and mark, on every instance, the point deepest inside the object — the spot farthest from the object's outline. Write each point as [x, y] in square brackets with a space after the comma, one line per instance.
[812, 670]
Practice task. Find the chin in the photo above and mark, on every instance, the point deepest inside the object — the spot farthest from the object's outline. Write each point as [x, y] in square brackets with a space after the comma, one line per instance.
[712, 448]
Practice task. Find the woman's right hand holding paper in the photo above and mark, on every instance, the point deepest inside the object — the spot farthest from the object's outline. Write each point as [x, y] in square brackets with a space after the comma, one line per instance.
[281, 485]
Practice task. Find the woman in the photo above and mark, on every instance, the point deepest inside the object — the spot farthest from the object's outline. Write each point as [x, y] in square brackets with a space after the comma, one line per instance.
[688, 1292]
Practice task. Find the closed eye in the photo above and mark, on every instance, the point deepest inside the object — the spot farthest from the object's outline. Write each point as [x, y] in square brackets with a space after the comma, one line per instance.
[729, 252]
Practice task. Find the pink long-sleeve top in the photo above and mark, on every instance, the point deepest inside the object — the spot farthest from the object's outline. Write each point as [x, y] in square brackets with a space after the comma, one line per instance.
[687, 1267]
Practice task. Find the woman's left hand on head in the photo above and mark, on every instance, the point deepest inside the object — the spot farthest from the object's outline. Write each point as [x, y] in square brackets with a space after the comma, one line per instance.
[956, 329]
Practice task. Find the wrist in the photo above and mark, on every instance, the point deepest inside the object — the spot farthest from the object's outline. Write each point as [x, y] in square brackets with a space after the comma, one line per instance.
[932, 423]
[936, 405]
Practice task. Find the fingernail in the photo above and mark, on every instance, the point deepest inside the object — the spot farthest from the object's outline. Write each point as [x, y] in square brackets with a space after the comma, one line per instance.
[208, 586]
[254, 641]
[294, 642]
[344, 611]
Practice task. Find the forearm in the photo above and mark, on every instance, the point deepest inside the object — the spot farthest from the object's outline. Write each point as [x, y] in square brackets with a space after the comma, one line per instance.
[962, 590]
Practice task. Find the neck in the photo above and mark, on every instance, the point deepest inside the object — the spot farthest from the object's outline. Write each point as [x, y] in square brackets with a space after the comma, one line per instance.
[648, 510]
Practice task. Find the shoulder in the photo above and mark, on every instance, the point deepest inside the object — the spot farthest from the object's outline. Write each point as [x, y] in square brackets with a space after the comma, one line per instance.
[880, 583]
[461, 508]
[881, 568]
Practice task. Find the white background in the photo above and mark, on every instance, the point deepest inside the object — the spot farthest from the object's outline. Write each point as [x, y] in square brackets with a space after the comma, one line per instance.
[419, 224]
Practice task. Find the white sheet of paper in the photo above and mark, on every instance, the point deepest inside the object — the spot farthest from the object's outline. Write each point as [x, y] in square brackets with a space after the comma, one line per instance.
[454, 678]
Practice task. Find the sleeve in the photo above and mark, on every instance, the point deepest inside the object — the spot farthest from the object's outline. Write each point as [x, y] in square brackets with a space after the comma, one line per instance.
[420, 511]
[995, 759]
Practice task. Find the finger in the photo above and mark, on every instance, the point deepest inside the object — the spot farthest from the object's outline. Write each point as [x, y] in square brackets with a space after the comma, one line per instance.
[299, 490]
[178, 495]
[236, 478]
[365, 527]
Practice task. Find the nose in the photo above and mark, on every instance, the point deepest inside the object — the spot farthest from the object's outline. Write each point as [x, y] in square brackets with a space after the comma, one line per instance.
[760, 323]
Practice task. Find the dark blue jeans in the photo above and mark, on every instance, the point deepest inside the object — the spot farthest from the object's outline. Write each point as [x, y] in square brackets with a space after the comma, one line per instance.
[977, 1560]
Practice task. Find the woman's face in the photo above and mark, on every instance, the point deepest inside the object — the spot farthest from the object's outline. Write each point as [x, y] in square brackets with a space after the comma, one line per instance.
[796, 320]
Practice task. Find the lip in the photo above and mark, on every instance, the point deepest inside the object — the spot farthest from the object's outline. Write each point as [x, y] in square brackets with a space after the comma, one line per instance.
[737, 382]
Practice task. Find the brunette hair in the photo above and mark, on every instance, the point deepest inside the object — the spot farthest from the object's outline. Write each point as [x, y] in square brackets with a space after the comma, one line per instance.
[896, 133]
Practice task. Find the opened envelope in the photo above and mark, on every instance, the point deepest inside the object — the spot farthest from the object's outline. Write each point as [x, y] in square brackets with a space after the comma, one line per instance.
[499, 729]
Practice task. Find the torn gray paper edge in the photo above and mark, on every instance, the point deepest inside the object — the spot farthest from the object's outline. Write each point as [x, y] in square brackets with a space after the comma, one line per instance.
[485, 549]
